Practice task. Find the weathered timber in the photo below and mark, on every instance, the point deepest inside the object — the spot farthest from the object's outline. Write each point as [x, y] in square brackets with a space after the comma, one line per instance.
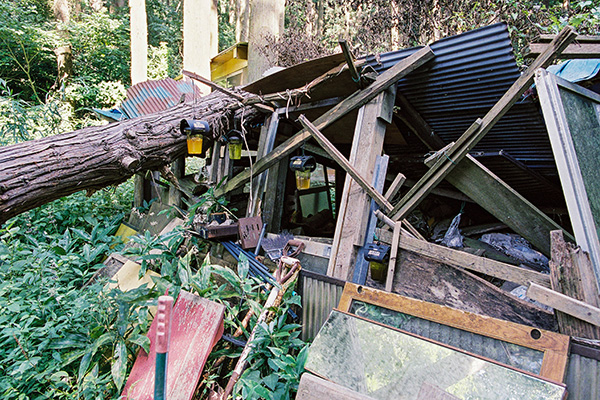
[489, 191]
[424, 279]
[345, 164]
[350, 61]
[574, 50]
[566, 304]
[39, 171]
[475, 133]
[357, 99]
[389, 280]
[504, 203]
[572, 274]
[395, 187]
[471, 262]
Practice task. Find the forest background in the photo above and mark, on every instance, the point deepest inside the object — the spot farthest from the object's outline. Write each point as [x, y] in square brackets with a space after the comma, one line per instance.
[61, 339]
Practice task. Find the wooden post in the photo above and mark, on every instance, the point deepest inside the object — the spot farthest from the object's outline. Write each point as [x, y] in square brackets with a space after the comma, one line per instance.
[352, 217]
[275, 195]
[265, 146]
[389, 280]
[178, 169]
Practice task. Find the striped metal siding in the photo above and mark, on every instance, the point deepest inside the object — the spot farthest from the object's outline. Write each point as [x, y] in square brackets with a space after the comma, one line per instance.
[469, 74]
[153, 96]
[583, 378]
[320, 294]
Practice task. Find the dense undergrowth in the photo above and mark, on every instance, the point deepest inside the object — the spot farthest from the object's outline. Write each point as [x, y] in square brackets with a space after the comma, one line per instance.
[63, 339]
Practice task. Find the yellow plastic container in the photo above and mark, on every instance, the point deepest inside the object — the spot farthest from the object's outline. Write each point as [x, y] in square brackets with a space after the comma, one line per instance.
[378, 271]
[235, 150]
[194, 144]
[303, 180]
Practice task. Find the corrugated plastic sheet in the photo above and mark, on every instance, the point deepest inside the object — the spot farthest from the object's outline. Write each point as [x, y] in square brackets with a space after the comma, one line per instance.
[583, 378]
[320, 294]
[153, 96]
[469, 74]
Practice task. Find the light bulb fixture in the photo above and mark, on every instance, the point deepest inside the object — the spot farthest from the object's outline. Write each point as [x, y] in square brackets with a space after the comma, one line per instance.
[196, 131]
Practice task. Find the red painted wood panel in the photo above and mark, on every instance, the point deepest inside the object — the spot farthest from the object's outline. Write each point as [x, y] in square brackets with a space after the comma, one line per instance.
[196, 325]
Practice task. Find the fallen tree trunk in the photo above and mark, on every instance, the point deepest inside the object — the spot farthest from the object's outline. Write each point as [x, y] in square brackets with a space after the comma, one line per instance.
[39, 171]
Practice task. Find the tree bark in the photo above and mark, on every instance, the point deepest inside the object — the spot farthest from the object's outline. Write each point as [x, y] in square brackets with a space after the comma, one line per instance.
[39, 171]
[266, 18]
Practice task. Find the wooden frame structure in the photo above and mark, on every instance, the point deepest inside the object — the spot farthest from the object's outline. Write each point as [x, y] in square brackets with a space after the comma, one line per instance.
[554, 345]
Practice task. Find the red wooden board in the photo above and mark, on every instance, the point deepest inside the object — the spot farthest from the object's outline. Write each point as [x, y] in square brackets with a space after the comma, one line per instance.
[196, 325]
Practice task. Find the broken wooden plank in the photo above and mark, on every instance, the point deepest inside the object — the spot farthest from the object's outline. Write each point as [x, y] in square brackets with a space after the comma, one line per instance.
[566, 304]
[197, 324]
[572, 274]
[395, 187]
[425, 279]
[486, 330]
[350, 61]
[389, 280]
[361, 266]
[503, 202]
[434, 175]
[357, 99]
[480, 185]
[354, 208]
[265, 145]
[345, 164]
[468, 261]
[478, 130]
[574, 50]
[312, 387]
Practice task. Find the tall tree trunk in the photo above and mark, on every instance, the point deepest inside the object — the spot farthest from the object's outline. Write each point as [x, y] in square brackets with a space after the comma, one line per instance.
[39, 171]
[200, 36]
[242, 23]
[394, 27]
[139, 41]
[266, 18]
[64, 59]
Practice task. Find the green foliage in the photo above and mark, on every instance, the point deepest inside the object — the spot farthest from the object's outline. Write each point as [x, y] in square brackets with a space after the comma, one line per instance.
[100, 47]
[27, 60]
[165, 38]
[58, 338]
[277, 360]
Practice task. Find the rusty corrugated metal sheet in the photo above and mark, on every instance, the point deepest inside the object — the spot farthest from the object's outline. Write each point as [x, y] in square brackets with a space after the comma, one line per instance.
[320, 294]
[152, 96]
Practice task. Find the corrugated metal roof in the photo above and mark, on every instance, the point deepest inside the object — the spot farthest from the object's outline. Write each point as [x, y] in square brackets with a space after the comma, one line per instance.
[153, 96]
[320, 294]
[469, 74]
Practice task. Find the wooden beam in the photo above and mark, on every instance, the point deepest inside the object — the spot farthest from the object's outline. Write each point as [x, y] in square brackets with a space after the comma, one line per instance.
[503, 202]
[357, 99]
[395, 187]
[468, 261]
[265, 146]
[389, 280]
[572, 274]
[312, 387]
[566, 304]
[350, 61]
[345, 164]
[481, 127]
[574, 50]
[230, 93]
[433, 176]
[354, 212]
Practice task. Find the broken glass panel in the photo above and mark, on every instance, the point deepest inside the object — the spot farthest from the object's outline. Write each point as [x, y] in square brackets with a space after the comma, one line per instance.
[517, 356]
[385, 363]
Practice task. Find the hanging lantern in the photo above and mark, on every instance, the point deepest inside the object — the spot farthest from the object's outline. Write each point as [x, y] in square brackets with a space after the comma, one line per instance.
[377, 254]
[235, 145]
[303, 166]
[195, 131]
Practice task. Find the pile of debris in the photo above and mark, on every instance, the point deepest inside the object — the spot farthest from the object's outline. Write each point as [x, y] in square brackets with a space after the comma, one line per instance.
[420, 195]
